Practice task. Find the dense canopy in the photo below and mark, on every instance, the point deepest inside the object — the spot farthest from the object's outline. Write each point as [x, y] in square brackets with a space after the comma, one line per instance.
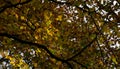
[60, 34]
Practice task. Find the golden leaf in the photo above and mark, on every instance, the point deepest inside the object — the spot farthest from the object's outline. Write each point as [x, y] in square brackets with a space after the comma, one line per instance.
[36, 36]
[21, 27]
[59, 18]
[48, 22]
[22, 18]
[114, 60]
[35, 64]
[16, 15]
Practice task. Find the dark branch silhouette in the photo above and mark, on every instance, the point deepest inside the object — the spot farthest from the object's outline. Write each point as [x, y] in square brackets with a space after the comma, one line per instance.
[4, 59]
[38, 46]
[82, 65]
[66, 61]
[83, 49]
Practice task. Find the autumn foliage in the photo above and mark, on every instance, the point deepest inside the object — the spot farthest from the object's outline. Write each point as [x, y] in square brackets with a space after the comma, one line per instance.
[60, 34]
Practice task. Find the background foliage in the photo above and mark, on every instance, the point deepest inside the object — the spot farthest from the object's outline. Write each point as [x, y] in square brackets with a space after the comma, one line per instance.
[60, 34]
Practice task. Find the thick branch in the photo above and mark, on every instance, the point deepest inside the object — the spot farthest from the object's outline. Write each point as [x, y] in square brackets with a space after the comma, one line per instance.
[38, 46]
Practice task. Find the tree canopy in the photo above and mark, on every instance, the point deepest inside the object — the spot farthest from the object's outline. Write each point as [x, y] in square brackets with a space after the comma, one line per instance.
[60, 34]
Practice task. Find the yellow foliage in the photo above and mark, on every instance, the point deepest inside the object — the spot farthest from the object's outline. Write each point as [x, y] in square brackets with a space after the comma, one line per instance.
[39, 30]
[37, 24]
[36, 36]
[21, 27]
[37, 51]
[47, 15]
[17, 62]
[16, 15]
[53, 60]
[59, 18]
[26, 66]
[12, 60]
[114, 60]
[35, 64]
[22, 18]
[44, 37]
[100, 62]
[48, 22]
[56, 38]
[59, 63]
[49, 32]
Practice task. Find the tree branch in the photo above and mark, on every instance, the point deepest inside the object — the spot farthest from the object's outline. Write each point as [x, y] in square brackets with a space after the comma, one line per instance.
[69, 4]
[83, 49]
[79, 64]
[38, 46]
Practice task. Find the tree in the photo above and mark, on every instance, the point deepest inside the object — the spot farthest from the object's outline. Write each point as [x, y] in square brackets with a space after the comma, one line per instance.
[60, 34]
